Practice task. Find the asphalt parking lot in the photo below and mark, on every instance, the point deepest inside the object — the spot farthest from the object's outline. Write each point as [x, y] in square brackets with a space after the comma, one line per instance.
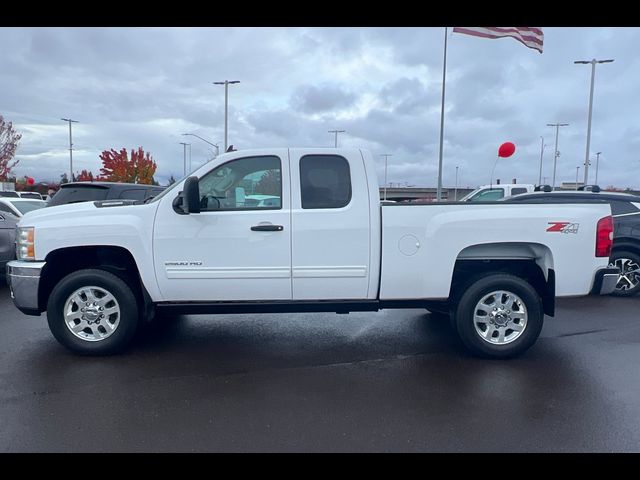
[396, 380]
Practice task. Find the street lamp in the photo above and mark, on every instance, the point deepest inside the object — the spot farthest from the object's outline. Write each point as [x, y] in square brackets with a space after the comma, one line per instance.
[226, 84]
[70, 147]
[542, 145]
[185, 156]
[455, 195]
[336, 133]
[206, 141]
[597, 161]
[557, 153]
[593, 75]
[577, 170]
[386, 157]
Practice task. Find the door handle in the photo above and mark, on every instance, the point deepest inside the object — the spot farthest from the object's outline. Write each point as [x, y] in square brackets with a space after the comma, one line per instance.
[267, 228]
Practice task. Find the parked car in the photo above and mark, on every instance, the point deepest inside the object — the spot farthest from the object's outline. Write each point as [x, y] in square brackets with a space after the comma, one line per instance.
[626, 238]
[34, 195]
[20, 206]
[76, 192]
[491, 193]
[8, 194]
[100, 268]
[8, 224]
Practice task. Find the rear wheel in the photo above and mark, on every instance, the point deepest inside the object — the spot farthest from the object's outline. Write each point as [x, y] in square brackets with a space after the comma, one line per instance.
[499, 316]
[629, 279]
[92, 312]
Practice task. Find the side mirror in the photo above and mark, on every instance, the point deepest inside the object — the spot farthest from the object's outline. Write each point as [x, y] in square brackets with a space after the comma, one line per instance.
[188, 200]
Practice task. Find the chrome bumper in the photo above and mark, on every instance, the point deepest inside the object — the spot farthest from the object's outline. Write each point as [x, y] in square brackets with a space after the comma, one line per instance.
[605, 281]
[24, 280]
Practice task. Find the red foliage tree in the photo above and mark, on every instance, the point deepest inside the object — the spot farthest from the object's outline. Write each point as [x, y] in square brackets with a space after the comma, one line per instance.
[84, 176]
[118, 167]
[9, 139]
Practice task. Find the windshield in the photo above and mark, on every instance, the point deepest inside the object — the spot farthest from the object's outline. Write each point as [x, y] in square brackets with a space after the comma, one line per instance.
[166, 190]
[28, 205]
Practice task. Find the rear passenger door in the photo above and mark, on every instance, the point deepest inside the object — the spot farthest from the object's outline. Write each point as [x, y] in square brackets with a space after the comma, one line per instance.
[330, 225]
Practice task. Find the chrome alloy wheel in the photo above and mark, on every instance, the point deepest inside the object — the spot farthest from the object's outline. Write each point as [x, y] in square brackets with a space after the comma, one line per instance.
[92, 313]
[629, 273]
[500, 317]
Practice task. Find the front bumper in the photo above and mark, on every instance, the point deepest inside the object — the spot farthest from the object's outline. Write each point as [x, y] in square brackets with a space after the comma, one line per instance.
[605, 281]
[24, 280]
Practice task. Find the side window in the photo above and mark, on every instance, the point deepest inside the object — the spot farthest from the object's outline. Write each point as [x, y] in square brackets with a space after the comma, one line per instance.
[325, 181]
[488, 195]
[245, 184]
[518, 191]
[133, 194]
[619, 207]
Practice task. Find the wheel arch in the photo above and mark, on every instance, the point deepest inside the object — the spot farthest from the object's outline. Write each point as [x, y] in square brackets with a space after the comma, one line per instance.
[531, 261]
[114, 259]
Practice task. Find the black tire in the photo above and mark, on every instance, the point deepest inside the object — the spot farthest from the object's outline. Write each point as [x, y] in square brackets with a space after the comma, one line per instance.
[622, 287]
[464, 315]
[128, 317]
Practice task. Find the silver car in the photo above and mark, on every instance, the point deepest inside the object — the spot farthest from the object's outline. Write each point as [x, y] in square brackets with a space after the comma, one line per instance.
[7, 241]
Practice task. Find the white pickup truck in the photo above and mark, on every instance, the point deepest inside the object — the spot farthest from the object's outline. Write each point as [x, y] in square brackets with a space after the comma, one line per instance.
[323, 242]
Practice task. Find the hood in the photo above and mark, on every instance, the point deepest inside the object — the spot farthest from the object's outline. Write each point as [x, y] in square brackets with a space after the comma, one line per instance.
[80, 209]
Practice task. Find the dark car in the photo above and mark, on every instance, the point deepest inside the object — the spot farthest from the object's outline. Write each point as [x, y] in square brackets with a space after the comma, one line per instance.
[7, 241]
[96, 191]
[625, 209]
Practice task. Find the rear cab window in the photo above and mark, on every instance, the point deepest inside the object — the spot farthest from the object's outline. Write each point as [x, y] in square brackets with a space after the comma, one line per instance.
[325, 181]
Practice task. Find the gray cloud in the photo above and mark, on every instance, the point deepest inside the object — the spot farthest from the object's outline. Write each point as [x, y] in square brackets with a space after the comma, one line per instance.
[316, 99]
[133, 87]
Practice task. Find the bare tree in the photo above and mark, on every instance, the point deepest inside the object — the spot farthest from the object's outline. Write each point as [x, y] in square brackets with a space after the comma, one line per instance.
[9, 140]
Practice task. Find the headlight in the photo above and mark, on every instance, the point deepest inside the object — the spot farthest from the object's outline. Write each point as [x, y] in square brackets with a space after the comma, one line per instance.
[25, 243]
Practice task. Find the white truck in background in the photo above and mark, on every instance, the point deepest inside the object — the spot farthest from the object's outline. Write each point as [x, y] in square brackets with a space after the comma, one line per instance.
[492, 193]
[323, 242]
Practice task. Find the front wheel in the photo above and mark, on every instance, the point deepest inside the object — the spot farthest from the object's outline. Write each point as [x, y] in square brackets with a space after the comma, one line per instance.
[499, 316]
[92, 312]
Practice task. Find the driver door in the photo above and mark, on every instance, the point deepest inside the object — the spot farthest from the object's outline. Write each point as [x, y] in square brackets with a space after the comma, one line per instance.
[238, 248]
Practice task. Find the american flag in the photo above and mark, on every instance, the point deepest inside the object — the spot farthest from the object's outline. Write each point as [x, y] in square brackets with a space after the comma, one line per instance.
[532, 37]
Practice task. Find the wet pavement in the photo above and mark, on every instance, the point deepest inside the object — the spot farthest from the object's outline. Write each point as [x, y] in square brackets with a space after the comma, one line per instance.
[396, 380]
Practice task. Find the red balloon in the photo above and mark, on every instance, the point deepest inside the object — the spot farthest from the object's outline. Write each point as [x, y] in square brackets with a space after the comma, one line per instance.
[30, 180]
[506, 149]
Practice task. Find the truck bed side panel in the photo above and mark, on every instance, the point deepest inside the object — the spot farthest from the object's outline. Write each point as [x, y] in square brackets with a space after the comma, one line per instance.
[421, 243]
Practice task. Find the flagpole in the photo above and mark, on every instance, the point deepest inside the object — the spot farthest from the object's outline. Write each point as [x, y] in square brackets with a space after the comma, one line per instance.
[444, 78]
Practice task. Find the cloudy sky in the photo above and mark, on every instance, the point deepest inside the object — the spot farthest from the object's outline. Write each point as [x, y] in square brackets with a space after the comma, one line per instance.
[131, 87]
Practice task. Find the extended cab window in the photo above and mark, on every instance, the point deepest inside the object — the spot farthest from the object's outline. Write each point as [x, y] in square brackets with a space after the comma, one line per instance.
[325, 181]
[245, 184]
[518, 190]
[488, 195]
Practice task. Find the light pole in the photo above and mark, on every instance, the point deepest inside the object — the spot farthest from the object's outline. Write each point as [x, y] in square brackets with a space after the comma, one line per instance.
[336, 132]
[542, 145]
[226, 84]
[70, 147]
[206, 141]
[189, 169]
[386, 157]
[577, 170]
[593, 75]
[597, 161]
[455, 195]
[557, 153]
[185, 156]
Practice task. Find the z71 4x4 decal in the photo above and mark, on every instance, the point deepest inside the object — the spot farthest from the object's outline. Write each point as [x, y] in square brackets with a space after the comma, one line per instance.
[563, 227]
